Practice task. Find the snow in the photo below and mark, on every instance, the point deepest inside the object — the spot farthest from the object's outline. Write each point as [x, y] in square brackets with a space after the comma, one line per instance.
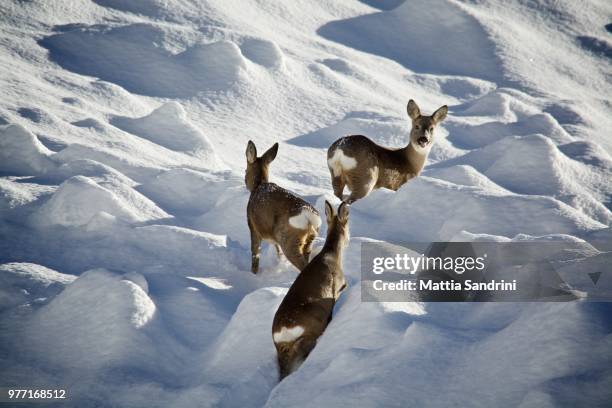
[394, 33]
[129, 57]
[188, 191]
[464, 208]
[24, 282]
[263, 52]
[79, 198]
[21, 153]
[124, 248]
[15, 195]
[103, 330]
[169, 127]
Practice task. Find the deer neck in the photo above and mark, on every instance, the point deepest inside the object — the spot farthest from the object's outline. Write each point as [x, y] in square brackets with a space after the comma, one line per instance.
[259, 179]
[334, 244]
[416, 157]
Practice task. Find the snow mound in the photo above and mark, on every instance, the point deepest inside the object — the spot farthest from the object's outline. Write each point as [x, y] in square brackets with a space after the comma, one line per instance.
[131, 57]
[26, 282]
[21, 153]
[187, 250]
[97, 321]
[384, 130]
[243, 360]
[79, 198]
[462, 88]
[114, 97]
[132, 166]
[498, 104]
[216, 65]
[474, 136]
[412, 213]
[339, 65]
[188, 191]
[182, 297]
[467, 176]
[411, 33]
[429, 350]
[153, 8]
[588, 153]
[168, 126]
[263, 52]
[227, 216]
[534, 165]
[136, 157]
[90, 168]
[14, 194]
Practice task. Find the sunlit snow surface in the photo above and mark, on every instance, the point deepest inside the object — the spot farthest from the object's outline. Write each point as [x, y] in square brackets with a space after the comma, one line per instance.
[125, 273]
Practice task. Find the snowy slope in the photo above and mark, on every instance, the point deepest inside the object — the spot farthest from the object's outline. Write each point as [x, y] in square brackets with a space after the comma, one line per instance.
[124, 250]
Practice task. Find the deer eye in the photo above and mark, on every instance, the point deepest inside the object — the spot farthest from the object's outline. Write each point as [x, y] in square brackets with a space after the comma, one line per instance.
[417, 127]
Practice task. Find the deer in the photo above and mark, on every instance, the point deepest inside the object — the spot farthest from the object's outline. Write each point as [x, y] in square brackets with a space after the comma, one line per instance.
[277, 215]
[306, 309]
[360, 164]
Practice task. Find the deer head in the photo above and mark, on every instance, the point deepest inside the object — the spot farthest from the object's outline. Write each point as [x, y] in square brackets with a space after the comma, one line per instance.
[337, 224]
[422, 133]
[257, 167]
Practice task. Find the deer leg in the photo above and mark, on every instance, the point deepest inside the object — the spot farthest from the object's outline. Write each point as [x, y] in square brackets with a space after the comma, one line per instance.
[278, 249]
[255, 248]
[356, 195]
[293, 252]
[360, 187]
[338, 185]
[307, 247]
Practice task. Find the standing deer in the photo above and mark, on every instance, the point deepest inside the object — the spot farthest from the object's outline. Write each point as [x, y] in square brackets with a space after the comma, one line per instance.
[307, 308]
[276, 215]
[362, 165]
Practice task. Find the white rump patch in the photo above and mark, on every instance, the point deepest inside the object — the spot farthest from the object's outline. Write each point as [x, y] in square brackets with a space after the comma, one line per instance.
[286, 335]
[305, 218]
[339, 162]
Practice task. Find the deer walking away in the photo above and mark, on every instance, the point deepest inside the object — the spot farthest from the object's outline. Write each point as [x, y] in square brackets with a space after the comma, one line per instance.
[307, 308]
[277, 215]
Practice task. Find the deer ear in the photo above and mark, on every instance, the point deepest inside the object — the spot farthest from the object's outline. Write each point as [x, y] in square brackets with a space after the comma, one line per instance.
[270, 155]
[251, 152]
[439, 115]
[329, 212]
[343, 212]
[413, 110]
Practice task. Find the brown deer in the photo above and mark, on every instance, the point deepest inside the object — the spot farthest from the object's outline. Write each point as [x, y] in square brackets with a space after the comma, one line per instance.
[362, 165]
[307, 308]
[277, 215]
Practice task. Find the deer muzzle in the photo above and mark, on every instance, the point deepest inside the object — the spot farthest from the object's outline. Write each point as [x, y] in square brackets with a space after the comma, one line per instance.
[423, 141]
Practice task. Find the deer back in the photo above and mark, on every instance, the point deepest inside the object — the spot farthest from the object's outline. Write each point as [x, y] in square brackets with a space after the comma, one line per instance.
[360, 157]
[276, 213]
[310, 300]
